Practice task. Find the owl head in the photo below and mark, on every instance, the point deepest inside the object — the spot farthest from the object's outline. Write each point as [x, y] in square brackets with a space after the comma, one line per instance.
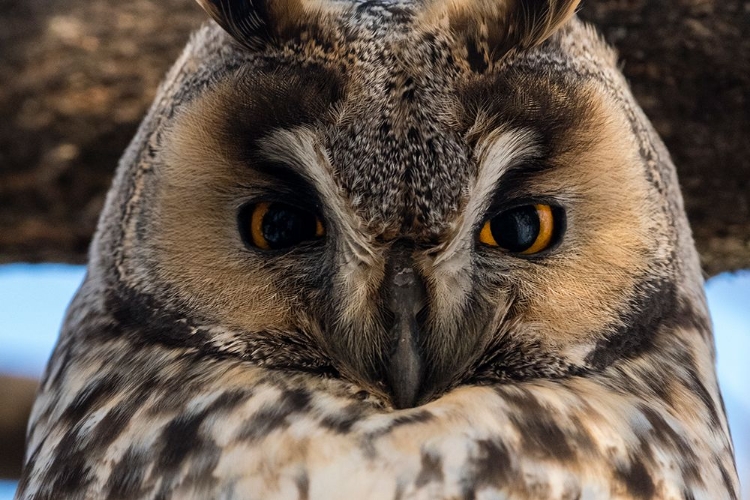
[410, 196]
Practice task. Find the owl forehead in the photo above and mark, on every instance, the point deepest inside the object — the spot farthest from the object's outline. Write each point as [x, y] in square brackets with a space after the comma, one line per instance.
[394, 144]
[405, 153]
[403, 168]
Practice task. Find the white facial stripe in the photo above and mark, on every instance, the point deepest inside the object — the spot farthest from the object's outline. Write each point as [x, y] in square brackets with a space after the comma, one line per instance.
[299, 148]
[496, 155]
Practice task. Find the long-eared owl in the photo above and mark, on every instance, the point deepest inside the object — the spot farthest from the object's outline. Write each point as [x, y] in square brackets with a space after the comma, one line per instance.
[388, 249]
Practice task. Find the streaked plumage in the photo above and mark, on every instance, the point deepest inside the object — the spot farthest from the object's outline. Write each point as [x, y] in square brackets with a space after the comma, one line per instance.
[397, 355]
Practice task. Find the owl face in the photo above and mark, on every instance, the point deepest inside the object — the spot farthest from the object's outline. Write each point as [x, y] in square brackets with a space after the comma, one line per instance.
[417, 207]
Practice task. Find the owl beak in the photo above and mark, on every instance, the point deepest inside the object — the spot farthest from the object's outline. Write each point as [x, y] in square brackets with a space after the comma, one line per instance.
[406, 297]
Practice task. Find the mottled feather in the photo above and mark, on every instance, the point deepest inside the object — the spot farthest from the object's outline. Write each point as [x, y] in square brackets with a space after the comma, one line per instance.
[192, 365]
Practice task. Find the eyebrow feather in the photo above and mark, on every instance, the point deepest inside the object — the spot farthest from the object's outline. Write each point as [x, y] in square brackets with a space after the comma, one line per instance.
[497, 155]
[300, 150]
[511, 184]
[290, 180]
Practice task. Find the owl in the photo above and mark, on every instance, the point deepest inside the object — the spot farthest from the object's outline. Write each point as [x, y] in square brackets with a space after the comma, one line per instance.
[388, 249]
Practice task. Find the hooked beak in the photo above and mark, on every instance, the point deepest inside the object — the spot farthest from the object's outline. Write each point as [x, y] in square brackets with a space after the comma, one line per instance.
[406, 297]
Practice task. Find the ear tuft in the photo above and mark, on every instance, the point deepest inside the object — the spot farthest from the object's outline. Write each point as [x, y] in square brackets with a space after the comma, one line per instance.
[491, 29]
[537, 20]
[257, 23]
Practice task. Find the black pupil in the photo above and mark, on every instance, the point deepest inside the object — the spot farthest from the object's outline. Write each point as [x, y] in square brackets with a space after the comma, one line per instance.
[284, 226]
[516, 229]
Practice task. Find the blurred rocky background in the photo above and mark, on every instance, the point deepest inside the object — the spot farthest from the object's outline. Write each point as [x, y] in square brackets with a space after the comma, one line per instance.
[76, 77]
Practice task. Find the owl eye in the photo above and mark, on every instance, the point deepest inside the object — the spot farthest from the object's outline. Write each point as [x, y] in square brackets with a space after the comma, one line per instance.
[274, 226]
[526, 230]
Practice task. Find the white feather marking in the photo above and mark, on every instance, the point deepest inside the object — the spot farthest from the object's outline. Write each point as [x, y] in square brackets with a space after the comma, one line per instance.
[300, 147]
[496, 154]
